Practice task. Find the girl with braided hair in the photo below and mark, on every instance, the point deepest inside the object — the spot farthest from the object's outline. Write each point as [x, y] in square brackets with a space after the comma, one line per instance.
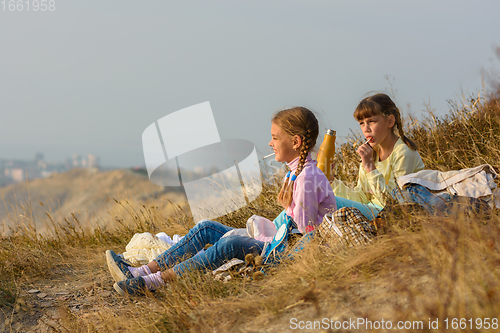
[386, 155]
[306, 196]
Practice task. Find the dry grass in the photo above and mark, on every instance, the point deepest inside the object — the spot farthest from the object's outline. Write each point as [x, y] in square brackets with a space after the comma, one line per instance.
[419, 267]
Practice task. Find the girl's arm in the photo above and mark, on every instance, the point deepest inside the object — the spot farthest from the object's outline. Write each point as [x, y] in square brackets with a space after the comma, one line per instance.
[402, 161]
[308, 193]
[359, 193]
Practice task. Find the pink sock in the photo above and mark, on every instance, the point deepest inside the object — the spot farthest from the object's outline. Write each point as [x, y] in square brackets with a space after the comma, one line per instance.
[154, 280]
[139, 271]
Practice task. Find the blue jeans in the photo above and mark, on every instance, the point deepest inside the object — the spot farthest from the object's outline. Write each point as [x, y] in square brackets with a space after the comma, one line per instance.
[370, 210]
[442, 203]
[203, 233]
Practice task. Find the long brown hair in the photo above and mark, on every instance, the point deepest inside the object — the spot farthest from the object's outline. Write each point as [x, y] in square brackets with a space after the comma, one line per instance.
[302, 122]
[381, 104]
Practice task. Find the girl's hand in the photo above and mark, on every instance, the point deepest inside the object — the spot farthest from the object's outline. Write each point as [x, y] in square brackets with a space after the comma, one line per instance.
[366, 153]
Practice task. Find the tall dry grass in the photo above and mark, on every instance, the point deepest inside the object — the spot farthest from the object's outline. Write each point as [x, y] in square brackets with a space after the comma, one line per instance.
[419, 268]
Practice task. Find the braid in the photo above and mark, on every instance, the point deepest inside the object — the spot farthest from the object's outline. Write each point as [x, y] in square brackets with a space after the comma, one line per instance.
[409, 143]
[304, 150]
[285, 189]
[287, 197]
[302, 122]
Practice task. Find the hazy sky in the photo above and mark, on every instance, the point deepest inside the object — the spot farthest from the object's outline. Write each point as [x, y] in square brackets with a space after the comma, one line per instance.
[90, 76]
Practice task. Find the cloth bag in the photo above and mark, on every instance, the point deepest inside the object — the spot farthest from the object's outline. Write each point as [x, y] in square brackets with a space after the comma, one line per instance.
[346, 227]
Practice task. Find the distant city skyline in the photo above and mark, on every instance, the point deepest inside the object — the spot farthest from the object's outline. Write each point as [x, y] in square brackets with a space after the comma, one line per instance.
[16, 170]
[90, 76]
[75, 159]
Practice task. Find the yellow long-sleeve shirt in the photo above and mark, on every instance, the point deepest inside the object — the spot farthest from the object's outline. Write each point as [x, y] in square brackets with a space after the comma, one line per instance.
[375, 185]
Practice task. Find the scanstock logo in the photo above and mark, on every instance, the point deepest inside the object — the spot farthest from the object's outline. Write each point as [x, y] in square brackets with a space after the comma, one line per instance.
[184, 149]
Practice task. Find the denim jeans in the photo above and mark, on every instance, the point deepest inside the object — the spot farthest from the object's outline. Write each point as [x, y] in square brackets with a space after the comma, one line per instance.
[203, 233]
[442, 203]
[370, 210]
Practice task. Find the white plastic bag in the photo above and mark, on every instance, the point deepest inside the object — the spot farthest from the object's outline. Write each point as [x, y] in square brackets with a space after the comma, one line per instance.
[143, 248]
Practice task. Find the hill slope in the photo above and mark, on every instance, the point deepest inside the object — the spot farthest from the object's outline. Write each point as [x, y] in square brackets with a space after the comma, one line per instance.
[82, 192]
[422, 273]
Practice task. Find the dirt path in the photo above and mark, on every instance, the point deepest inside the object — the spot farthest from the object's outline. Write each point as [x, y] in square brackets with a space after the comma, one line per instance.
[72, 291]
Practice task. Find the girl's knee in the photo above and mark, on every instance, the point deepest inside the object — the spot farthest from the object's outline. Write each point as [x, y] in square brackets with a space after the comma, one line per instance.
[232, 240]
[227, 244]
[205, 223]
[238, 243]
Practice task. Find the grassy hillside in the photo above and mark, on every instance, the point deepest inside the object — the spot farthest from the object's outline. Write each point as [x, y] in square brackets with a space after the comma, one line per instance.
[84, 193]
[421, 269]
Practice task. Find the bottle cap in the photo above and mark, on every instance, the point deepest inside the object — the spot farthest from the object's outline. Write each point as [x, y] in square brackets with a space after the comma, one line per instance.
[330, 132]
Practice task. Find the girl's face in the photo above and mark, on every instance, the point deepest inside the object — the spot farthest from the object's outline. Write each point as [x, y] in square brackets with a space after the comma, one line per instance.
[377, 128]
[283, 144]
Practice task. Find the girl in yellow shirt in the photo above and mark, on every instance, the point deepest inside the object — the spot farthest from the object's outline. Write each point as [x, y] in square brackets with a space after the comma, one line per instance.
[386, 155]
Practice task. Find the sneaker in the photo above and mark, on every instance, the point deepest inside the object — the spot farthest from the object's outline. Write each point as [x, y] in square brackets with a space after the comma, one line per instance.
[132, 287]
[118, 267]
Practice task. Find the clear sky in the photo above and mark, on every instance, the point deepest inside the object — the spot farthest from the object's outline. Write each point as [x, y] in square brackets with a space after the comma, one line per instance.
[90, 76]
